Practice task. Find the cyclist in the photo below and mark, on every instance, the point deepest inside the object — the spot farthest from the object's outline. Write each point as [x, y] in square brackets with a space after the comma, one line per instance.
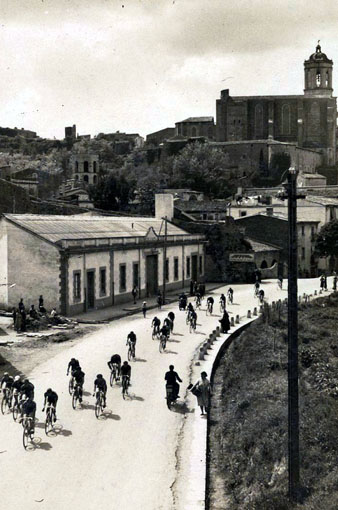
[261, 295]
[198, 299]
[171, 316]
[230, 294]
[6, 381]
[256, 288]
[101, 385]
[131, 341]
[73, 365]
[167, 322]
[115, 360]
[126, 371]
[171, 377]
[16, 388]
[27, 388]
[79, 377]
[51, 399]
[193, 318]
[165, 331]
[210, 303]
[222, 301]
[28, 410]
[182, 302]
[156, 323]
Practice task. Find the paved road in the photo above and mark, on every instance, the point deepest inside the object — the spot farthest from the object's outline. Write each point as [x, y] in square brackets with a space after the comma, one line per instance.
[127, 460]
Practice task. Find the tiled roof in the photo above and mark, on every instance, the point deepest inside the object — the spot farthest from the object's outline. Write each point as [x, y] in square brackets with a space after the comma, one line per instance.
[322, 200]
[201, 206]
[258, 246]
[57, 228]
[197, 119]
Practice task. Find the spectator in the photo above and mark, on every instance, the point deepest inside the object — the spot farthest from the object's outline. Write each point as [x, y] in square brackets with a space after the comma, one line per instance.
[202, 390]
[159, 300]
[225, 323]
[144, 309]
[21, 306]
[335, 282]
[42, 309]
[14, 315]
[33, 313]
[134, 293]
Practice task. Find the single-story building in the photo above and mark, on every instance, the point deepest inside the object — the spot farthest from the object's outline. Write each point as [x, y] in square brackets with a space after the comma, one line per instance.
[82, 262]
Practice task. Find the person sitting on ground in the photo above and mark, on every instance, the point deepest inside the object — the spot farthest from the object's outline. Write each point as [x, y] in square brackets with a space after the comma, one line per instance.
[126, 371]
[171, 377]
[115, 360]
[51, 399]
[101, 385]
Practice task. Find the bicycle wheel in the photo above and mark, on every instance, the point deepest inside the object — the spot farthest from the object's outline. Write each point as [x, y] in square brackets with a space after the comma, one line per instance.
[25, 437]
[4, 405]
[112, 377]
[75, 398]
[161, 345]
[98, 405]
[15, 412]
[70, 386]
[124, 388]
[129, 354]
[48, 422]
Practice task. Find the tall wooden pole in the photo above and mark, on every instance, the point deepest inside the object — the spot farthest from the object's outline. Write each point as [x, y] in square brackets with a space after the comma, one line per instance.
[165, 257]
[293, 400]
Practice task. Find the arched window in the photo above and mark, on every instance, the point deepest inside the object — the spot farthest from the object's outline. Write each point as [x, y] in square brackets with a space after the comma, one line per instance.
[76, 177]
[85, 166]
[318, 78]
[264, 264]
[258, 121]
[85, 178]
[94, 167]
[193, 131]
[286, 119]
[327, 79]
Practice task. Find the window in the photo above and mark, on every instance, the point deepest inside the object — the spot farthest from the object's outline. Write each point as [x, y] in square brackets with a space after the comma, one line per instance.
[123, 281]
[188, 267]
[303, 230]
[303, 253]
[94, 167]
[176, 268]
[167, 270]
[312, 231]
[258, 121]
[242, 213]
[103, 281]
[286, 119]
[85, 166]
[318, 79]
[201, 264]
[135, 274]
[85, 178]
[193, 131]
[77, 285]
[327, 79]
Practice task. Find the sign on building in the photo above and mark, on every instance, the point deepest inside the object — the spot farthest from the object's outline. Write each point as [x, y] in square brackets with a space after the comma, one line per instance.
[241, 257]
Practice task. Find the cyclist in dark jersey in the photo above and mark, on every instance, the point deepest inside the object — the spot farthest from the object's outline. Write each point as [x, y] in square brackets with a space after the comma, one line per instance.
[73, 365]
[6, 381]
[28, 410]
[210, 303]
[171, 377]
[126, 370]
[156, 323]
[51, 398]
[164, 331]
[101, 385]
[79, 377]
[115, 360]
[27, 388]
[171, 316]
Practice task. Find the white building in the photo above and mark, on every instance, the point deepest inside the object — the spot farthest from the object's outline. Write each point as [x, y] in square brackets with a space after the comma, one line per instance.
[81, 262]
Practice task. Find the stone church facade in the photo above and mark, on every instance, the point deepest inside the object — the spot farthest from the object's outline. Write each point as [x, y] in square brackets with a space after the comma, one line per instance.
[307, 120]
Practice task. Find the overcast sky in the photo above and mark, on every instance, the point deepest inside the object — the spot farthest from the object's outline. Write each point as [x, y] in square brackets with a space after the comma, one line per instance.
[142, 65]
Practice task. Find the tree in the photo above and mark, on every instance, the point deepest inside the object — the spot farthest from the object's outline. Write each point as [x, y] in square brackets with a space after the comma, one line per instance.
[326, 244]
[202, 167]
[111, 193]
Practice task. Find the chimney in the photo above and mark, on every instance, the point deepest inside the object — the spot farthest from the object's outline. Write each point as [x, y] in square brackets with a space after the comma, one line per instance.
[269, 211]
[164, 206]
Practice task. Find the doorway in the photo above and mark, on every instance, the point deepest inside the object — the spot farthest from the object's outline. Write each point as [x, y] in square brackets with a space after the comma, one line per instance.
[152, 275]
[90, 289]
[194, 267]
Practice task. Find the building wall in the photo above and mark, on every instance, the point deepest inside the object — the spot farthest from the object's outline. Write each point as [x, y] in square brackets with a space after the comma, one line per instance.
[3, 265]
[34, 266]
[306, 231]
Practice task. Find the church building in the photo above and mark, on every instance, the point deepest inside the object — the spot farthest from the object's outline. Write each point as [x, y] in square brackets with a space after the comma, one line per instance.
[307, 120]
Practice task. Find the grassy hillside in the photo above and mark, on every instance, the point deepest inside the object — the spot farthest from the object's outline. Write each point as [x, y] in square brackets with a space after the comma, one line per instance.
[248, 416]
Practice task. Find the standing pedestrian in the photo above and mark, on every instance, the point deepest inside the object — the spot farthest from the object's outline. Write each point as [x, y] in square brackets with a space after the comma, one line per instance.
[144, 309]
[325, 282]
[225, 322]
[335, 282]
[159, 300]
[42, 309]
[202, 390]
[134, 294]
[21, 306]
[14, 315]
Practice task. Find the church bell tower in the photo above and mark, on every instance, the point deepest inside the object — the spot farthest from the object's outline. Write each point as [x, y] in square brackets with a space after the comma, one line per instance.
[318, 75]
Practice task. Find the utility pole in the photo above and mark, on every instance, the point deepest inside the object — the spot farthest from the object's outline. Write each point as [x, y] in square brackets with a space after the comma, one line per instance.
[293, 400]
[165, 257]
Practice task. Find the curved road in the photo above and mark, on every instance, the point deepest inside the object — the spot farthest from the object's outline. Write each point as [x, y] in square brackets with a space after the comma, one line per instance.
[126, 460]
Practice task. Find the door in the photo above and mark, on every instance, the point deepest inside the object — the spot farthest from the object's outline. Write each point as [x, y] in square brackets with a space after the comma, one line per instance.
[152, 275]
[91, 289]
[194, 267]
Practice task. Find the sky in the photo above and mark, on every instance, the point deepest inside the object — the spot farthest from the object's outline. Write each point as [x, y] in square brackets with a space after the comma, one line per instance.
[138, 66]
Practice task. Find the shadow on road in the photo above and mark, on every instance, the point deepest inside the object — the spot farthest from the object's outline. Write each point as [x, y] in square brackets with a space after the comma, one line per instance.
[177, 334]
[132, 396]
[170, 352]
[141, 360]
[86, 393]
[174, 341]
[181, 408]
[109, 415]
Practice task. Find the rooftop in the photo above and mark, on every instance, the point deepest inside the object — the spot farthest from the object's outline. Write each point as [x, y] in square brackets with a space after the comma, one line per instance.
[322, 200]
[257, 246]
[197, 119]
[201, 205]
[78, 227]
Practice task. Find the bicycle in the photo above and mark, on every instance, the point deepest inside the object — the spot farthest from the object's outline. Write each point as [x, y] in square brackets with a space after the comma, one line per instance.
[192, 325]
[113, 375]
[230, 298]
[163, 343]
[170, 395]
[28, 431]
[198, 304]
[16, 407]
[99, 404]
[50, 418]
[131, 351]
[187, 319]
[6, 402]
[75, 396]
[125, 384]
[156, 332]
[71, 385]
